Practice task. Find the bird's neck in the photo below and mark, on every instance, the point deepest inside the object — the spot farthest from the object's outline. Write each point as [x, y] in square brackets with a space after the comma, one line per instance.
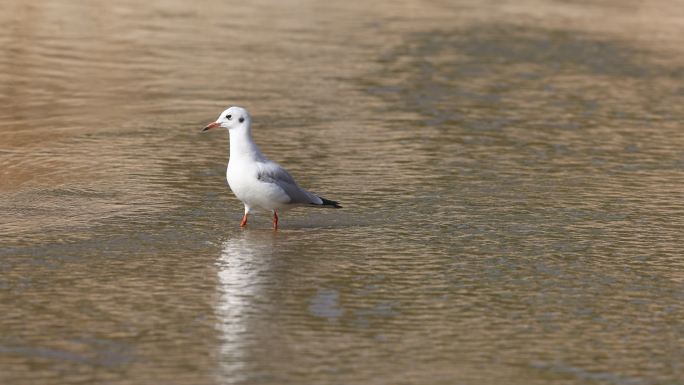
[242, 145]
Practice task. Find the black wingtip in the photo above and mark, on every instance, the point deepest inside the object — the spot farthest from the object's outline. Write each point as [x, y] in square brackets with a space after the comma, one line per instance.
[329, 203]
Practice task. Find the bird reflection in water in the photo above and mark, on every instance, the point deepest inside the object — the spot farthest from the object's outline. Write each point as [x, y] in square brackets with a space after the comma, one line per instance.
[243, 270]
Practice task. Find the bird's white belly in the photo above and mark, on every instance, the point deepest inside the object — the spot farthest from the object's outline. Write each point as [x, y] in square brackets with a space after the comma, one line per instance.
[255, 193]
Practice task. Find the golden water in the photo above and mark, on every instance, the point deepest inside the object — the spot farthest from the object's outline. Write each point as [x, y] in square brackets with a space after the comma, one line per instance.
[512, 175]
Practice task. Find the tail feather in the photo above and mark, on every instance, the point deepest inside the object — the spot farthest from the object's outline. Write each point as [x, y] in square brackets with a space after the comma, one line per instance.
[329, 203]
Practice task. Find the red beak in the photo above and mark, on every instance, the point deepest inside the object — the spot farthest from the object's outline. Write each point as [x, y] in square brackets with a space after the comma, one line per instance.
[210, 126]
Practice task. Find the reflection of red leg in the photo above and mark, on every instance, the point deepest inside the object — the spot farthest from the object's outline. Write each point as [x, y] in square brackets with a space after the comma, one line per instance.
[275, 220]
[244, 221]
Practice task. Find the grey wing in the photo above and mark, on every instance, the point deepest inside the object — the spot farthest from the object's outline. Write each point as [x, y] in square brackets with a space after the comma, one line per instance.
[271, 172]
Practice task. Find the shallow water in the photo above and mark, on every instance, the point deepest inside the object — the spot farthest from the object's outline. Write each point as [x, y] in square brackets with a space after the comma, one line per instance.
[512, 176]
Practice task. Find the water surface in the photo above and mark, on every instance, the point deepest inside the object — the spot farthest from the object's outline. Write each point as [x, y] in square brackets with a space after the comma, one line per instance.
[511, 174]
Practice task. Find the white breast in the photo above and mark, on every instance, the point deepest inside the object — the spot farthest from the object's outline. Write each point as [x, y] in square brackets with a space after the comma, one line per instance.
[243, 181]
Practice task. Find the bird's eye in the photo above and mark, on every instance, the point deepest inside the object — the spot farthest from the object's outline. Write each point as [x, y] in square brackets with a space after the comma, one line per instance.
[242, 120]
[228, 117]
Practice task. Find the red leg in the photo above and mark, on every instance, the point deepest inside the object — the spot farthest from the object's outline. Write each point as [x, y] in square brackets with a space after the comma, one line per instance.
[275, 220]
[244, 221]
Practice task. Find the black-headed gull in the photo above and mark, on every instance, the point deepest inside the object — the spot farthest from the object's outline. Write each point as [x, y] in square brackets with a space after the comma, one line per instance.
[255, 180]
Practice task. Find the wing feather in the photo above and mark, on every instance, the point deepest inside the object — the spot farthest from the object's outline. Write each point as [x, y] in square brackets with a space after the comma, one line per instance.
[271, 172]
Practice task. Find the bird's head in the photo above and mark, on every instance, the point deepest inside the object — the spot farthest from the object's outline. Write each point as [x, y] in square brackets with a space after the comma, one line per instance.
[232, 118]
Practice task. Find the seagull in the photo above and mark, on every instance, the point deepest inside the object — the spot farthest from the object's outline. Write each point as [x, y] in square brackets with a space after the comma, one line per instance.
[255, 180]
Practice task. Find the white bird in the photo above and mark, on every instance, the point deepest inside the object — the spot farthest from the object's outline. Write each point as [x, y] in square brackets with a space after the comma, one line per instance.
[255, 180]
